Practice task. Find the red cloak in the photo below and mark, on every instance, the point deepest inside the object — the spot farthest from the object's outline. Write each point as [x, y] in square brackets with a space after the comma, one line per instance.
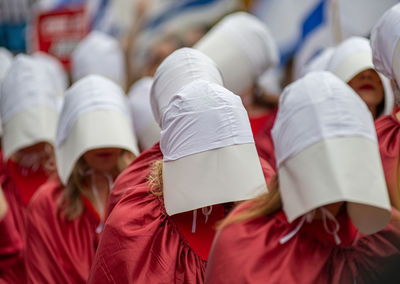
[261, 128]
[142, 244]
[388, 132]
[18, 189]
[252, 250]
[58, 250]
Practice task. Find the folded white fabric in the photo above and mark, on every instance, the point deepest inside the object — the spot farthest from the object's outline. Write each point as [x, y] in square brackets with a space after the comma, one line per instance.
[353, 56]
[384, 42]
[209, 151]
[180, 68]
[101, 54]
[327, 152]
[56, 72]
[6, 58]
[146, 128]
[243, 49]
[28, 106]
[95, 115]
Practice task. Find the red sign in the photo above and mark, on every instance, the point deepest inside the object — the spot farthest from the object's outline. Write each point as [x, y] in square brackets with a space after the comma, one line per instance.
[58, 32]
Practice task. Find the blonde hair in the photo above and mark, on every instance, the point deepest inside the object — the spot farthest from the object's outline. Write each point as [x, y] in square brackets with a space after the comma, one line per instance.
[71, 204]
[263, 205]
[155, 178]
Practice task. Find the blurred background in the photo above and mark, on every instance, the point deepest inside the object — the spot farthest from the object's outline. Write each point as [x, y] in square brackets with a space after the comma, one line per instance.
[149, 30]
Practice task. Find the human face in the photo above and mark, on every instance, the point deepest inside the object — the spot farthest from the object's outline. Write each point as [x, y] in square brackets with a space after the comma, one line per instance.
[103, 160]
[368, 86]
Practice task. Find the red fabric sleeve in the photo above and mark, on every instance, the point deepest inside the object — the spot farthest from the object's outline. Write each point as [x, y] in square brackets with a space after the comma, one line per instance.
[263, 140]
[388, 132]
[58, 250]
[11, 244]
[136, 173]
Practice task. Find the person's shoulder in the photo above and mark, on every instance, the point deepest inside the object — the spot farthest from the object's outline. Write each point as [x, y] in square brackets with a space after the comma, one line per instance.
[388, 121]
[47, 196]
[136, 208]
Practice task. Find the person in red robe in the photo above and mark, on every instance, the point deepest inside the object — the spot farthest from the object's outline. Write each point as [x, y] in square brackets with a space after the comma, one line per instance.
[386, 56]
[388, 132]
[167, 235]
[28, 108]
[94, 143]
[320, 222]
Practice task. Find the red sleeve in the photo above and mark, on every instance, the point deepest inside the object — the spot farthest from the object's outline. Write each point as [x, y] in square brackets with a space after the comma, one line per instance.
[11, 244]
[263, 140]
[388, 132]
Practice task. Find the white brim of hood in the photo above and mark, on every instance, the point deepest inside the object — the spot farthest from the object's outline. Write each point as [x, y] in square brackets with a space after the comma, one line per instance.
[88, 134]
[216, 176]
[328, 172]
[28, 127]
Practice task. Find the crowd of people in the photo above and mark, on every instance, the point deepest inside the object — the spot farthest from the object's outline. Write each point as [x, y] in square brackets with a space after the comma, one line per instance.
[196, 173]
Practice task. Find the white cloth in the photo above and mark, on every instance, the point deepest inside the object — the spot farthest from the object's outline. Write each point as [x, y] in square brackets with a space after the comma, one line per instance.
[209, 151]
[243, 49]
[327, 152]
[56, 72]
[202, 117]
[178, 69]
[95, 115]
[100, 54]
[384, 38]
[25, 85]
[146, 128]
[93, 92]
[322, 108]
[353, 56]
[6, 58]
[28, 105]
[319, 62]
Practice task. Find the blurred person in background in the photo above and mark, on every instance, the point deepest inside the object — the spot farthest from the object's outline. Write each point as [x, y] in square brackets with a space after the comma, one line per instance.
[56, 72]
[209, 159]
[352, 62]
[315, 225]
[146, 128]
[101, 54]
[6, 58]
[94, 143]
[185, 66]
[386, 57]
[29, 114]
[244, 49]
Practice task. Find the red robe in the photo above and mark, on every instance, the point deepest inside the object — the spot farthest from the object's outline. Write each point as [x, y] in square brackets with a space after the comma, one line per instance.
[261, 128]
[142, 244]
[136, 173]
[388, 131]
[18, 189]
[251, 249]
[58, 250]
